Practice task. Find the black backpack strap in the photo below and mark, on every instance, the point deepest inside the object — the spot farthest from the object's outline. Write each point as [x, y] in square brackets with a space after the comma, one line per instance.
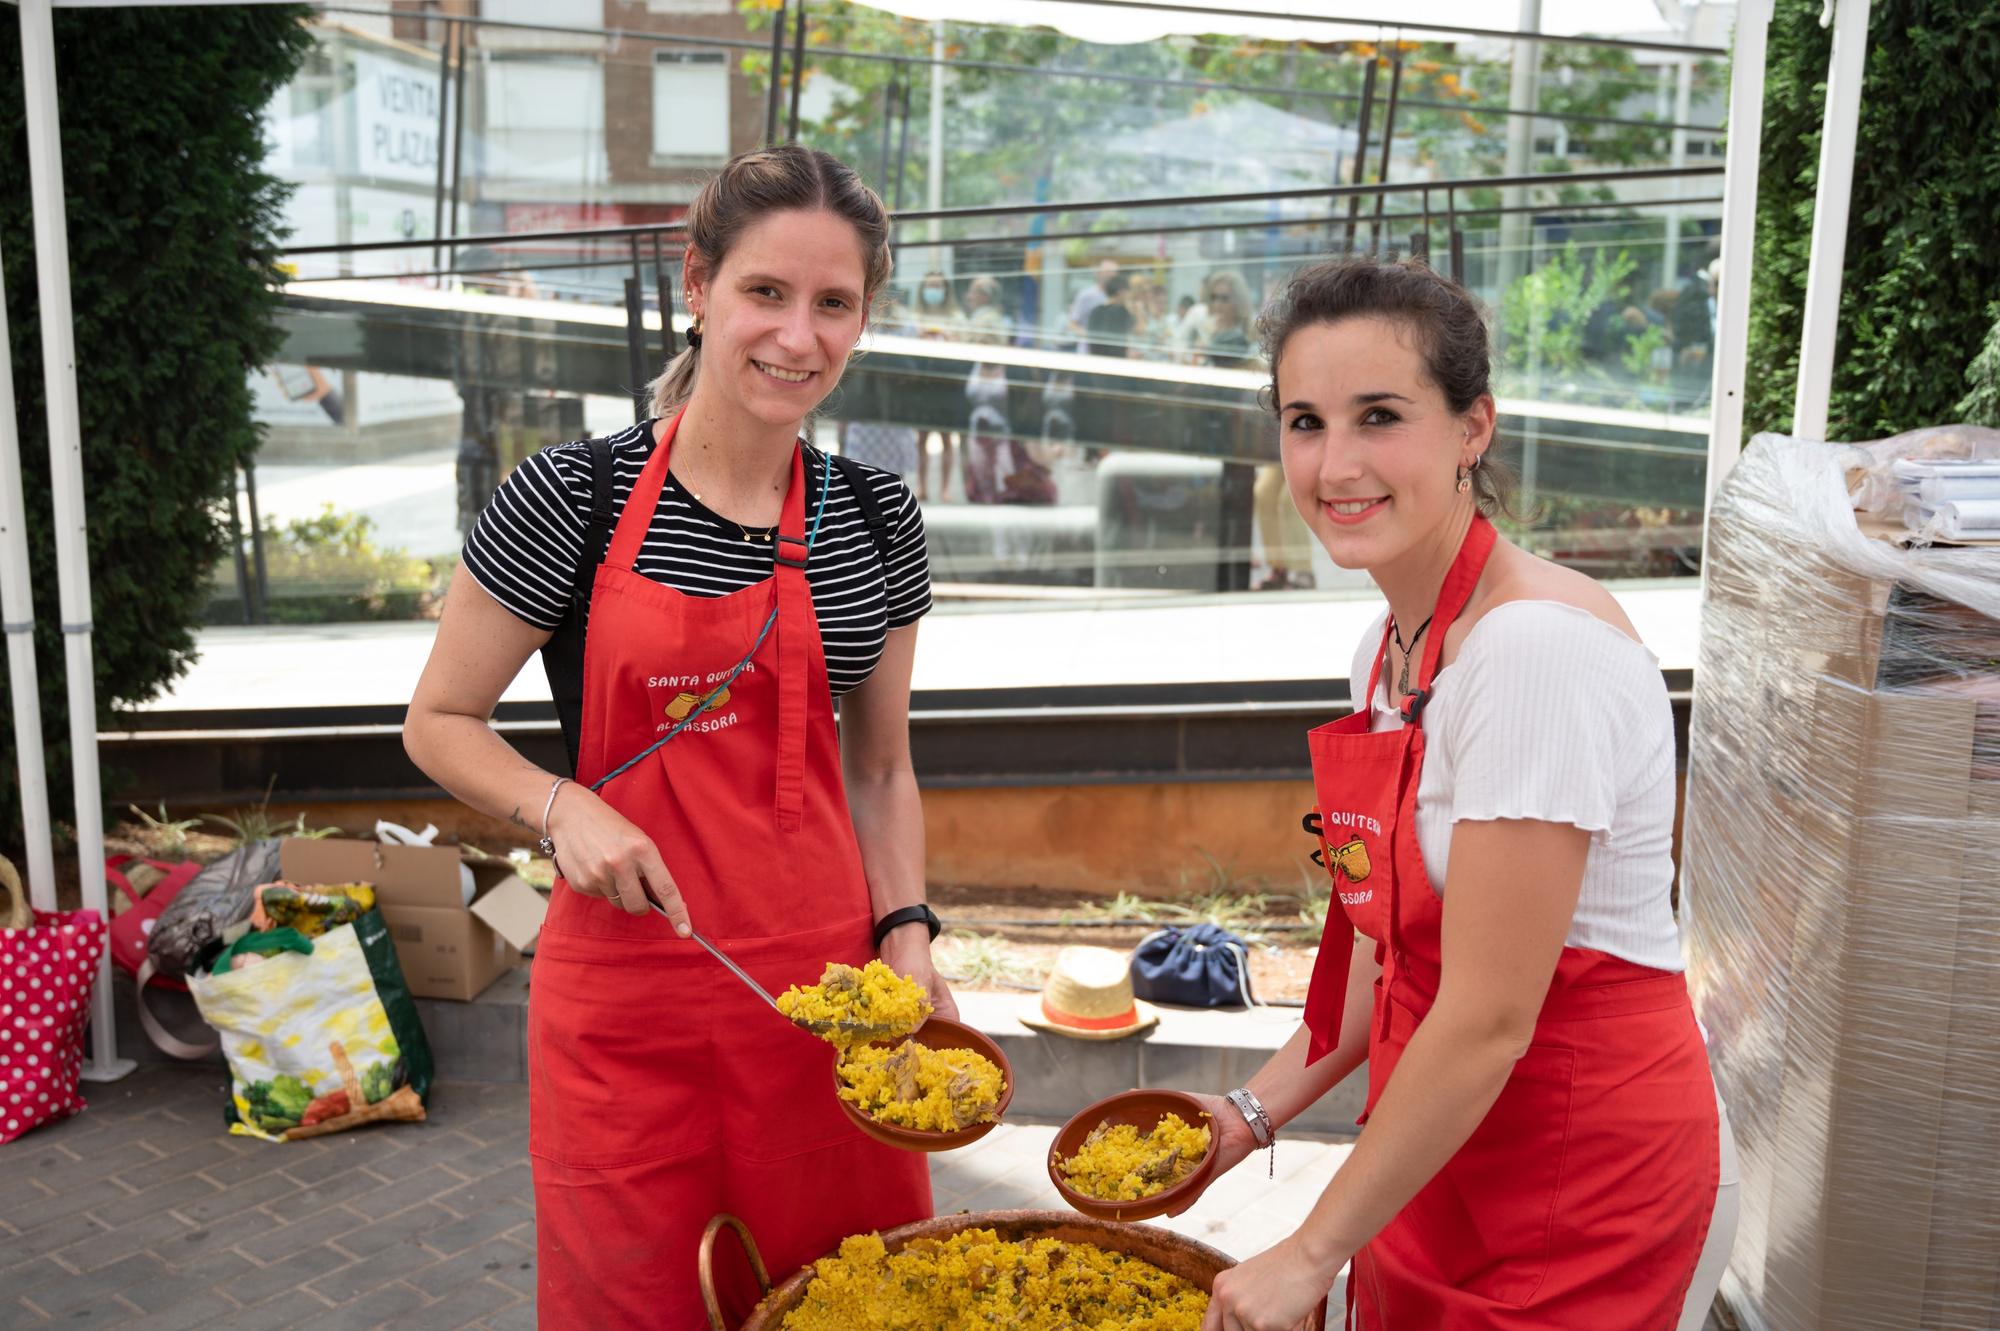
[872, 515]
[597, 537]
[562, 655]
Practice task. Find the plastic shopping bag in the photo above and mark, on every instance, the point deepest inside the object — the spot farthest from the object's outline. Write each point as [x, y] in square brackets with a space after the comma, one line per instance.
[199, 914]
[321, 1033]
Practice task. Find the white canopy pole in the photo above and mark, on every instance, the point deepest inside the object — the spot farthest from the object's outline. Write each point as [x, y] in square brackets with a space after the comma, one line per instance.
[38, 67]
[1837, 137]
[1739, 232]
[934, 181]
[17, 614]
[1523, 93]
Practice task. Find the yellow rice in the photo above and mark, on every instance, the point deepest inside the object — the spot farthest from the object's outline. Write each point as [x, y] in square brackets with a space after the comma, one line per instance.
[1119, 1163]
[974, 1280]
[911, 1086]
[874, 995]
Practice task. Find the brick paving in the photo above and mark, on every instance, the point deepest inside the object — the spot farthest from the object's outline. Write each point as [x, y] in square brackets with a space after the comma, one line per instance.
[143, 1213]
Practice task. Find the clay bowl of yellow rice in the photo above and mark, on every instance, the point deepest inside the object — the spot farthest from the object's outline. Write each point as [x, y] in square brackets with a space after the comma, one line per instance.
[1150, 1176]
[951, 1086]
[948, 1274]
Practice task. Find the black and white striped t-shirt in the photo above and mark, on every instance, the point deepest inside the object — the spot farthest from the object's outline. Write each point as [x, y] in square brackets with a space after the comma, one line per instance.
[524, 549]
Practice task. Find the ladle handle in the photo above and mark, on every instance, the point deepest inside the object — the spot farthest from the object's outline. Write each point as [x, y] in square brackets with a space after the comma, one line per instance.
[706, 1267]
[723, 957]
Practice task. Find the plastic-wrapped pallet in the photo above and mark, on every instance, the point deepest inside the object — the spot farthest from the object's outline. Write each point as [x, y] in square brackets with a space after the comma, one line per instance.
[1842, 887]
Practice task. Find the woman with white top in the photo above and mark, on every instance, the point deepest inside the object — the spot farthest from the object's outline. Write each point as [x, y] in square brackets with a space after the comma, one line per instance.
[1541, 1144]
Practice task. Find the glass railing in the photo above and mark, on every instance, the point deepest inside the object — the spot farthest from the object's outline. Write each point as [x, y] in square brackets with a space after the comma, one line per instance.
[483, 246]
[1069, 446]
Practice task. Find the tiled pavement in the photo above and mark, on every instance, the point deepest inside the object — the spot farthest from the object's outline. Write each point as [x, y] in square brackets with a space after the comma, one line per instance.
[143, 1213]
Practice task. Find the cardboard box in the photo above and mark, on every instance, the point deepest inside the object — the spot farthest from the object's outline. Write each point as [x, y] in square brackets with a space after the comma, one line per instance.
[1857, 1148]
[1842, 862]
[447, 949]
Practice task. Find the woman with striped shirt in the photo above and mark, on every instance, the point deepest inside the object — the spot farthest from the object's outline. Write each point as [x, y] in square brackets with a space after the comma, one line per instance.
[702, 586]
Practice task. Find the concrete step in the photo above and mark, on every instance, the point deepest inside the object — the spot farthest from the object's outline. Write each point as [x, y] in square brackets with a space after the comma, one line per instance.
[1054, 1076]
[485, 1040]
[1204, 1050]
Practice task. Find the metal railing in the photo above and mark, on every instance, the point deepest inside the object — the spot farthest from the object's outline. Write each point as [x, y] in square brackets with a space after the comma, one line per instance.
[785, 80]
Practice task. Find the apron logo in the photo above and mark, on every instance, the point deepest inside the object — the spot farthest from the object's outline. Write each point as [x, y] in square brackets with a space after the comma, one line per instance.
[1347, 863]
[690, 691]
[683, 703]
[1352, 860]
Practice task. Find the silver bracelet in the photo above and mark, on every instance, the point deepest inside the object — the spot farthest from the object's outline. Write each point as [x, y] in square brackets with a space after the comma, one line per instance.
[1261, 1130]
[548, 846]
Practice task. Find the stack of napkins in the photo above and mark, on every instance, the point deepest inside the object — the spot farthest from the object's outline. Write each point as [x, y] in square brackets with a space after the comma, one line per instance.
[1953, 499]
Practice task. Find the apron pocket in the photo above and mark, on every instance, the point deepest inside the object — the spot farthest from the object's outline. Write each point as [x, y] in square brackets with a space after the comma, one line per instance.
[618, 1073]
[1487, 1221]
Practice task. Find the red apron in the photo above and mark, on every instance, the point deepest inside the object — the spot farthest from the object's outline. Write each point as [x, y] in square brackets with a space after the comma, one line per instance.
[1582, 1200]
[660, 1089]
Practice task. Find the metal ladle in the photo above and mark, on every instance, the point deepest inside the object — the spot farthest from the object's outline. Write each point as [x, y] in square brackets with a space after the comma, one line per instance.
[855, 1030]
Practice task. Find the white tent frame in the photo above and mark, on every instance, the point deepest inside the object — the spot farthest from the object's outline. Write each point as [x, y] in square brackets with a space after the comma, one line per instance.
[1828, 258]
[66, 438]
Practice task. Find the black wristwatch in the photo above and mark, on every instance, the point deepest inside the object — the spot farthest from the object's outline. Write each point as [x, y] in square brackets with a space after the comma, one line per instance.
[896, 919]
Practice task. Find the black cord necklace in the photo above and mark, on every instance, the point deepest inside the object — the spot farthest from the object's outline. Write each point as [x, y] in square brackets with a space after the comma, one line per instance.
[1403, 677]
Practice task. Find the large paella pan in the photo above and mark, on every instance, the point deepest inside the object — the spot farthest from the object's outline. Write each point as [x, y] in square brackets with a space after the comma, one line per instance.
[1174, 1254]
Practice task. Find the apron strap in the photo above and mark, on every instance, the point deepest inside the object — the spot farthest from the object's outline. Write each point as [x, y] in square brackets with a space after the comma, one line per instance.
[1366, 704]
[637, 519]
[1326, 1004]
[795, 631]
[1457, 590]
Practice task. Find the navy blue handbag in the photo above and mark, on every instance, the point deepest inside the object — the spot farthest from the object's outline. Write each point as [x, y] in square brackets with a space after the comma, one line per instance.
[1202, 965]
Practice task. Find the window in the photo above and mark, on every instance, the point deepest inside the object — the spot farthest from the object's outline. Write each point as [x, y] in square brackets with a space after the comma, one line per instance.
[558, 13]
[547, 22]
[690, 107]
[544, 121]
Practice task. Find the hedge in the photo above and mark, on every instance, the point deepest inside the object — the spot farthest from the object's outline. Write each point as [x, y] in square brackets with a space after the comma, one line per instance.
[1922, 264]
[173, 235]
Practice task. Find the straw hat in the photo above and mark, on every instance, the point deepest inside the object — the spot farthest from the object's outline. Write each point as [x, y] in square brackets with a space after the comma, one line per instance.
[1088, 996]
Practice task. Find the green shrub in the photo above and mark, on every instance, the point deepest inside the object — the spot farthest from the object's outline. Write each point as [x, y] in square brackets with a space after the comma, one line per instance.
[328, 569]
[1921, 261]
[1544, 313]
[1981, 404]
[173, 235]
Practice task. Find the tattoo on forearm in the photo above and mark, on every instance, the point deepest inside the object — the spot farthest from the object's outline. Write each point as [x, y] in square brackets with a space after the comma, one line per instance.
[516, 818]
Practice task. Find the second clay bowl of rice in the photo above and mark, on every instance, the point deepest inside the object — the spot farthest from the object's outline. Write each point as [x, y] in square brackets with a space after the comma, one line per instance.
[1134, 1155]
[942, 1088]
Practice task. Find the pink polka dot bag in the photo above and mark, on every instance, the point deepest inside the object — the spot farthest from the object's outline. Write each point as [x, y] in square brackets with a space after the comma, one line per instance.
[46, 974]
